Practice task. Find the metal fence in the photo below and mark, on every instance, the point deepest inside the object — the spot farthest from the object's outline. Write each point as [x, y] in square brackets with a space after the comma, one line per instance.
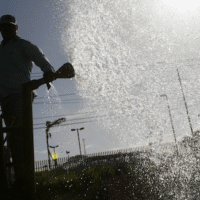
[111, 157]
[88, 159]
[143, 155]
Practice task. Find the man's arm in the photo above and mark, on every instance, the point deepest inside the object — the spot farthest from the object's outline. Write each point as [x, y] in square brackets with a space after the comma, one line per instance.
[33, 53]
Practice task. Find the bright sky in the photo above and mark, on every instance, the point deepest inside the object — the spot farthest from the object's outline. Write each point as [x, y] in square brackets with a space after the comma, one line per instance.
[183, 5]
[114, 53]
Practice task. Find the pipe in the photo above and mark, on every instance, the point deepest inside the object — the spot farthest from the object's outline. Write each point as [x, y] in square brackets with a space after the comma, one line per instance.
[28, 141]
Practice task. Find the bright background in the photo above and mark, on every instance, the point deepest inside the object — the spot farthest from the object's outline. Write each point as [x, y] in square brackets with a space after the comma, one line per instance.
[124, 60]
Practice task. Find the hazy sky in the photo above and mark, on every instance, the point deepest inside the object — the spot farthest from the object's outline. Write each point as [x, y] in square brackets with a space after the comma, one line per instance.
[124, 59]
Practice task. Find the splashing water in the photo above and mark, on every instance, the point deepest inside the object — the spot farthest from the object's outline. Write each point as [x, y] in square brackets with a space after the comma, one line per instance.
[50, 97]
[52, 107]
[52, 103]
[116, 48]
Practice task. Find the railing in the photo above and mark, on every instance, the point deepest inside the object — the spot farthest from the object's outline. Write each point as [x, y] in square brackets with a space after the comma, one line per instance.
[122, 155]
[96, 159]
[74, 161]
[111, 157]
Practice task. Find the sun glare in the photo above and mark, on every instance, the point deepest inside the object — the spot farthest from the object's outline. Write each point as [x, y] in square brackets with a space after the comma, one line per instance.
[183, 5]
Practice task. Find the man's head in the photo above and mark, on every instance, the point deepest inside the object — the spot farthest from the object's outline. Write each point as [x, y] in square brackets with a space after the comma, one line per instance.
[8, 27]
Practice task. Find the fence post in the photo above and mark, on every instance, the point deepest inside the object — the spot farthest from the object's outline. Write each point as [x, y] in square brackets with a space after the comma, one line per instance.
[28, 142]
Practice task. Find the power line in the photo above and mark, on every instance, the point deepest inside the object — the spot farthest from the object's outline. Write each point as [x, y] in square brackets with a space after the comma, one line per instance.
[58, 103]
[64, 100]
[71, 99]
[75, 114]
[72, 114]
[84, 122]
[91, 121]
[171, 104]
[78, 119]
[64, 115]
[56, 96]
[76, 123]
[66, 124]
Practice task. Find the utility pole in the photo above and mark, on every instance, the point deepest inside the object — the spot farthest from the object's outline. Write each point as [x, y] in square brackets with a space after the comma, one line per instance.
[164, 95]
[47, 139]
[185, 103]
[84, 146]
[78, 137]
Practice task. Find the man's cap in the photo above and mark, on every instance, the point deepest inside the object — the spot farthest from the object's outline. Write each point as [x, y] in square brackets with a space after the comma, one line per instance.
[8, 19]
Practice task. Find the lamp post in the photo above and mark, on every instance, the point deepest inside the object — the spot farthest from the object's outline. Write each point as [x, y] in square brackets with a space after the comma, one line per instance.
[54, 156]
[84, 146]
[48, 126]
[185, 103]
[67, 152]
[78, 137]
[164, 95]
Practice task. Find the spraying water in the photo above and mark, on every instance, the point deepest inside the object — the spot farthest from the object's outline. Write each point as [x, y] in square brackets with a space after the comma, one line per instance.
[125, 54]
[51, 97]
[53, 108]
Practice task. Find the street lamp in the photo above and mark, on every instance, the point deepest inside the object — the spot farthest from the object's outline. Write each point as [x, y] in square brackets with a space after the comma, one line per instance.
[67, 152]
[54, 156]
[164, 95]
[78, 137]
[185, 103]
[48, 123]
[48, 126]
[84, 145]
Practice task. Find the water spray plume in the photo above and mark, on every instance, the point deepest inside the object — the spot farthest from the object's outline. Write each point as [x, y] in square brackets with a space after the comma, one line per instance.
[126, 58]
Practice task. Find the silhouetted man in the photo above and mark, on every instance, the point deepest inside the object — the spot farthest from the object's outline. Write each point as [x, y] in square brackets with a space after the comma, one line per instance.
[16, 61]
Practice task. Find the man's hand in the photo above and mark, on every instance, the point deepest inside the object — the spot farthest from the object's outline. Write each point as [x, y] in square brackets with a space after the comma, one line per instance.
[49, 76]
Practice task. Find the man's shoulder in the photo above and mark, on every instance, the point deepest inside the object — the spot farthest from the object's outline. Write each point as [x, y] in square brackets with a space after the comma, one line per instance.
[23, 41]
[27, 45]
